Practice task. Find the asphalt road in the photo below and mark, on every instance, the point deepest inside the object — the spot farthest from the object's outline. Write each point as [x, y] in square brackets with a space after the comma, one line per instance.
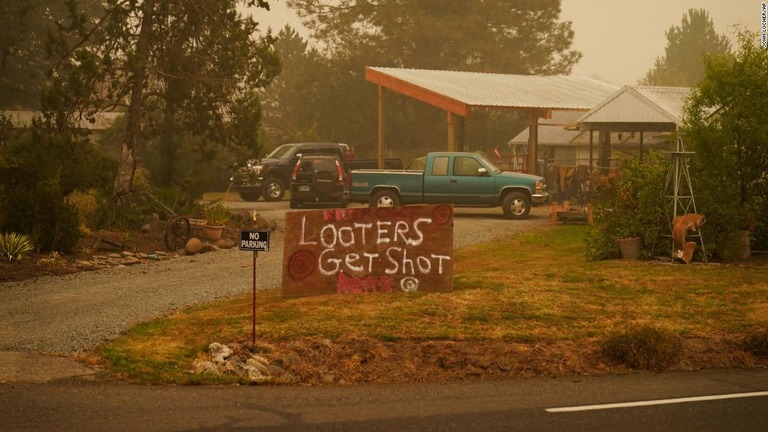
[509, 405]
[55, 393]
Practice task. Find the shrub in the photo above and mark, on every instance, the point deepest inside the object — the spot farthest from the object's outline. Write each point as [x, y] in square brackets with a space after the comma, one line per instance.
[645, 347]
[630, 205]
[15, 247]
[757, 343]
[85, 203]
[42, 213]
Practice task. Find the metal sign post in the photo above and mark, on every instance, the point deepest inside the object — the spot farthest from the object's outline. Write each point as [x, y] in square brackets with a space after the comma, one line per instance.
[255, 241]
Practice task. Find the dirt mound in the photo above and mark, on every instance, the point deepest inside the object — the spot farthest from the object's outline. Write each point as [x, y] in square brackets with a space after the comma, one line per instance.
[354, 361]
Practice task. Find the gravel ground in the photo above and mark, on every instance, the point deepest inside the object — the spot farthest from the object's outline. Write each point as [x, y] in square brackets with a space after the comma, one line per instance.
[75, 313]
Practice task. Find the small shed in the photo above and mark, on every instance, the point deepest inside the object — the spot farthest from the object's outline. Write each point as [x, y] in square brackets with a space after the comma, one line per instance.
[565, 150]
[635, 109]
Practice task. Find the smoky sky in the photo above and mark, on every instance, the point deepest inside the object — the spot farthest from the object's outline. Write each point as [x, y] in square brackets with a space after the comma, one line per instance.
[620, 39]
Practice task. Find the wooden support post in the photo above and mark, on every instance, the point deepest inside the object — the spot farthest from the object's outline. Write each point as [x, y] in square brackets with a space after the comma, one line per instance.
[458, 121]
[605, 152]
[533, 141]
[381, 152]
[451, 132]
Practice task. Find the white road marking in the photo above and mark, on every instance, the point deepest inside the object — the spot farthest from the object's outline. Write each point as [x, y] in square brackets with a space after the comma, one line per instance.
[657, 402]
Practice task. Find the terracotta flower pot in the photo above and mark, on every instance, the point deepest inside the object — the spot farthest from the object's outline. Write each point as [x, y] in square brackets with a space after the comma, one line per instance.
[630, 247]
[213, 232]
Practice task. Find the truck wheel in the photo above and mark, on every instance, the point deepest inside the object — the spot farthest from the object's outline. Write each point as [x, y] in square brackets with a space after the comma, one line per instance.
[273, 190]
[249, 196]
[516, 205]
[385, 198]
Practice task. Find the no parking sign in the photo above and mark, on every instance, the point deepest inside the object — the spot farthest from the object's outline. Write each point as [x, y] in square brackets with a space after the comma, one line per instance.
[254, 241]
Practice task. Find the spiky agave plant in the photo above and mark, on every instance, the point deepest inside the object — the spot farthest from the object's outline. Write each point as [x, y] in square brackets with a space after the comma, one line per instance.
[15, 246]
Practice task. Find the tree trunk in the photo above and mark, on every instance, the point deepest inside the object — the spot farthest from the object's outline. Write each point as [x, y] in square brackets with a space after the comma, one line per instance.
[130, 149]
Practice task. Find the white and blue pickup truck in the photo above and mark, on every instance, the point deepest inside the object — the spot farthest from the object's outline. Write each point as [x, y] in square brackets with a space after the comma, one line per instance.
[459, 178]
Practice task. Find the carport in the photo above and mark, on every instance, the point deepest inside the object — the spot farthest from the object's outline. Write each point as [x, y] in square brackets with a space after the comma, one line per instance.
[458, 93]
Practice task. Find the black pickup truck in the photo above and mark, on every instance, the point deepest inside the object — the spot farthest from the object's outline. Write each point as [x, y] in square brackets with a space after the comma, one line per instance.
[270, 176]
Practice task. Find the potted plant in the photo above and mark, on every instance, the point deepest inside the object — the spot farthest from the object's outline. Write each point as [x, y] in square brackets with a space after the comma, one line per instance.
[216, 216]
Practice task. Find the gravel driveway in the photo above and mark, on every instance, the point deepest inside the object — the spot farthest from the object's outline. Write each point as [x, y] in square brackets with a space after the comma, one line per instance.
[75, 313]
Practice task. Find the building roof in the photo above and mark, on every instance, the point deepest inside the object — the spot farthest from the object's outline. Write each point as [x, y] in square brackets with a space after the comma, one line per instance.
[554, 131]
[459, 92]
[636, 108]
[101, 120]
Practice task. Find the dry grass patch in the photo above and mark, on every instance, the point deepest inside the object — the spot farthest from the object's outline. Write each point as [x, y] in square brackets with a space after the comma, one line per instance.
[526, 294]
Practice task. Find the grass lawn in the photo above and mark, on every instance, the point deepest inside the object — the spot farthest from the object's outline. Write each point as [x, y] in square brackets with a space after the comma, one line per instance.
[530, 288]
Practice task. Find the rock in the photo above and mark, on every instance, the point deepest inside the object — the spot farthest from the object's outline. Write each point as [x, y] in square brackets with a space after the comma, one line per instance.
[294, 346]
[259, 359]
[275, 369]
[203, 366]
[193, 246]
[251, 363]
[292, 359]
[328, 378]
[225, 243]
[232, 367]
[255, 376]
[505, 365]
[219, 352]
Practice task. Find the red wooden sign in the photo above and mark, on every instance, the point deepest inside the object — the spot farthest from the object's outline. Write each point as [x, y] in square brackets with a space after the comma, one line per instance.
[364, 250]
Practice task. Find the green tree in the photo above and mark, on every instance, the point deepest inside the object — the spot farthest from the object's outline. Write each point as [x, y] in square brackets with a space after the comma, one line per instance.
[501, 36]
[26, 27]
[682, 63]
[291, 100]
[507, 36]
[175, 66]
[726, 127]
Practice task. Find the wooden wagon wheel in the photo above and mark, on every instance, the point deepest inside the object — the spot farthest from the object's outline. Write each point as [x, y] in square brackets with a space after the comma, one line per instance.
[177, 232]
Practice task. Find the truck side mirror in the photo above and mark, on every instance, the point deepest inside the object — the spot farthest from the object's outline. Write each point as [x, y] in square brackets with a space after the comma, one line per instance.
[482, 172]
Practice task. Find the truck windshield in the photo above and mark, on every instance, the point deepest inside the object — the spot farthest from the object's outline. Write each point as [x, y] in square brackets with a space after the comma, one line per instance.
[491, 167]
[283, 152]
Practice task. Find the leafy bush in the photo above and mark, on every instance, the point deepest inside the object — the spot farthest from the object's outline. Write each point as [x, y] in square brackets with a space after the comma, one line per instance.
[135, 210]
[631, 204]
[85, 203]
[42, 213]
[757, 343]
[729, 135]
[15, 247]
[39, 166]
[646, 348]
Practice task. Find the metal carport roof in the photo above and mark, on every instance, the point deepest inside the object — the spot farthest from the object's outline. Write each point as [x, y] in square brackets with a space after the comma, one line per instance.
[459, 92]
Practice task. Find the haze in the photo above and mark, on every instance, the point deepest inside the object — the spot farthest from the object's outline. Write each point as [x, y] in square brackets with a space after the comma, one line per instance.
[620, 39]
